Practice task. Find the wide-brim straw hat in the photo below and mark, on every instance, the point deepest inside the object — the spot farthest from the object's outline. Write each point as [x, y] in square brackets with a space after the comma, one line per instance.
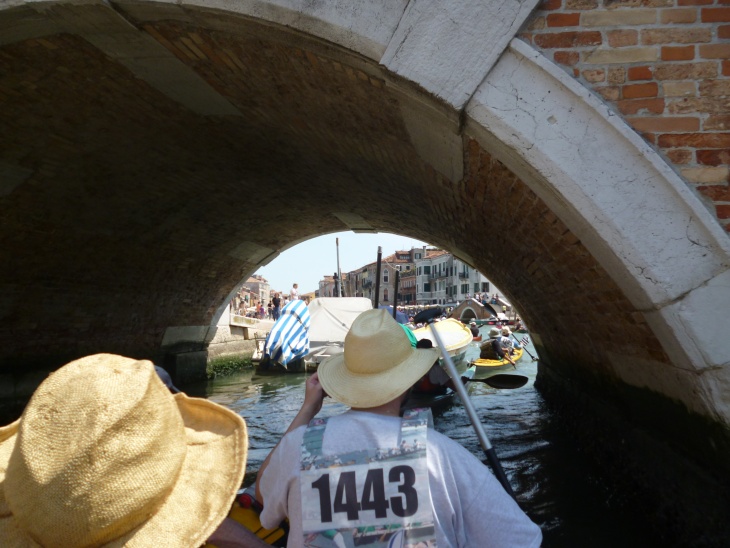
[105, 455]
[378, 363]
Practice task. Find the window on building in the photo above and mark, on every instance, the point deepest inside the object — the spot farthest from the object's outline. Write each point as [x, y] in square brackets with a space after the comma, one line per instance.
[408, 267]
[426, 287]
[385, 295]
[419, 271]
[485, 287]
[464, 289]
[427, 269]
[385, 275]
[476, 287]
[418, 255]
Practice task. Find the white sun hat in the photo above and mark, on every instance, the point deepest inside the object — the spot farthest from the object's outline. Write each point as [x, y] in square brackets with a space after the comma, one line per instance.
[377, 365]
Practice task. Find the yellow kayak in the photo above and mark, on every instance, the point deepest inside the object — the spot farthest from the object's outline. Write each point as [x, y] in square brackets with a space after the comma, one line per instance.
[246, 510]
[496, 365]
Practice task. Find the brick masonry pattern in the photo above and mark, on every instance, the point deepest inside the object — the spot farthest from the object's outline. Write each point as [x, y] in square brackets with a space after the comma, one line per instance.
[664, 66]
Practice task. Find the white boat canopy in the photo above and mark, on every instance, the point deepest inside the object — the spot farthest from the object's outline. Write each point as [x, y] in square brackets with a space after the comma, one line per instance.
[331, 318]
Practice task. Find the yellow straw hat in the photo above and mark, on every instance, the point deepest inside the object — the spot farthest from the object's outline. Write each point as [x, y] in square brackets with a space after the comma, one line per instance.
[104, 455]
[377, 365]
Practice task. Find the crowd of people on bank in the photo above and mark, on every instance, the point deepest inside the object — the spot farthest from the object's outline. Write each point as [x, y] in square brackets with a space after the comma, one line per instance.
[272, 310]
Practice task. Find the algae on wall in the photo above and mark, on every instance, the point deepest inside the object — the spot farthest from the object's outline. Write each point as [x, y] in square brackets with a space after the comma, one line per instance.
[225, 365]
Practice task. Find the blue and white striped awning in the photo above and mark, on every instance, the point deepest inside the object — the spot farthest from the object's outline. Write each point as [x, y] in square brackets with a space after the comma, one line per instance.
[288, 339]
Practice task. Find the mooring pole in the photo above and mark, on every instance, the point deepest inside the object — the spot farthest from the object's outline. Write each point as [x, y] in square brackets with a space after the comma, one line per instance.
[395, 294]
[341, 293]
[376, 302]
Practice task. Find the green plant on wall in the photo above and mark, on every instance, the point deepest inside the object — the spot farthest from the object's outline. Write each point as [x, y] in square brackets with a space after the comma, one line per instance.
[225, 365]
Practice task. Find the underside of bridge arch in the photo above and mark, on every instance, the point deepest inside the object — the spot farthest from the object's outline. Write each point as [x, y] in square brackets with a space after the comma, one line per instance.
[135, 214]
[133, 206]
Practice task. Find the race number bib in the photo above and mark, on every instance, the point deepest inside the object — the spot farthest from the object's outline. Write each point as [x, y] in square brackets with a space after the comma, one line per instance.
[378, 496]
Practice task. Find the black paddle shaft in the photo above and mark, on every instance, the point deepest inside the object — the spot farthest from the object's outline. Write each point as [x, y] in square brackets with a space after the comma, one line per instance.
[525, 348]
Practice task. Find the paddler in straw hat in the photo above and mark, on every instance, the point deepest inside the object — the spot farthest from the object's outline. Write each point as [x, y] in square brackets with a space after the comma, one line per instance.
[358, 473]
[492, 349]
[105, 455]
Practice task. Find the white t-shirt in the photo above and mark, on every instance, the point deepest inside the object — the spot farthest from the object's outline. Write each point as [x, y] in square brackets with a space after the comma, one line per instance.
[293, 294]
[470, 507]
[506, 342]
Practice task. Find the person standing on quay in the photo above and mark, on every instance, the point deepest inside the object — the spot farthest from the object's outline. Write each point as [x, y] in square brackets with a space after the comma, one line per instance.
[276, 311]
[294, 293]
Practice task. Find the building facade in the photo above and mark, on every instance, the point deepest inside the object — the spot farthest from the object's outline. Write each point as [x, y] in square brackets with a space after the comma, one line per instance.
[328, 287]
[441, 278]
[363, 281]
[259, 290]
[426, 276]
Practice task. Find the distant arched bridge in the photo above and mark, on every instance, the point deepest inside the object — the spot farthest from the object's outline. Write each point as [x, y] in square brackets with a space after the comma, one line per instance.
[471, 309]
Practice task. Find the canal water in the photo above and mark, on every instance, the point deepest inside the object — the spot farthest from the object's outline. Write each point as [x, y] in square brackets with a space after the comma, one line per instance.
[557, 488]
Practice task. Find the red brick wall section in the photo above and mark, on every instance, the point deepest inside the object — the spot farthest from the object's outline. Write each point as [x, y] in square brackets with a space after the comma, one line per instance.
[664, 65]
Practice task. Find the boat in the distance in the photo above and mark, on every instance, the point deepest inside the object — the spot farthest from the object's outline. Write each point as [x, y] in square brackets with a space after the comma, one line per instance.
[493, 366]
[331, 318]
[454, 334]
[287, 343]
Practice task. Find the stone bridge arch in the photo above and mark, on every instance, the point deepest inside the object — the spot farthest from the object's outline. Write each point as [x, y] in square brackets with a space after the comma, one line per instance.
[154, 154]
[473, 310]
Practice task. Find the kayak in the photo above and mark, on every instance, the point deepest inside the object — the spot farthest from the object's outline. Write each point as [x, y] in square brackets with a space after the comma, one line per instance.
[246, 510]
[497, 365]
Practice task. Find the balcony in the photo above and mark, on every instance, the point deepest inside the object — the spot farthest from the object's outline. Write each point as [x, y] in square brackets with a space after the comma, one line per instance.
[366, 284]
[464, 275]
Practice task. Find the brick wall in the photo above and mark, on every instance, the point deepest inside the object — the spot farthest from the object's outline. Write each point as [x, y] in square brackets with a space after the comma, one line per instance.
[664, 65]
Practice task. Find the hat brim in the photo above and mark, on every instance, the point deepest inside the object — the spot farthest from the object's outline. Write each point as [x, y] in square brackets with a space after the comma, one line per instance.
[371, 390]
[211, 475]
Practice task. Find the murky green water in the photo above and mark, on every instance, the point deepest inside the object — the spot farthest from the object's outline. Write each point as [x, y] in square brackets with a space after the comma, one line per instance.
[553, 484]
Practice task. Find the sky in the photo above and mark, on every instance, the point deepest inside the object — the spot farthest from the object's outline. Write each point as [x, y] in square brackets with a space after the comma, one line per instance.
[307, 263]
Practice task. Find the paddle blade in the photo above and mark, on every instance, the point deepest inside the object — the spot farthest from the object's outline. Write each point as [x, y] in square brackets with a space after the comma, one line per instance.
[504, 381]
